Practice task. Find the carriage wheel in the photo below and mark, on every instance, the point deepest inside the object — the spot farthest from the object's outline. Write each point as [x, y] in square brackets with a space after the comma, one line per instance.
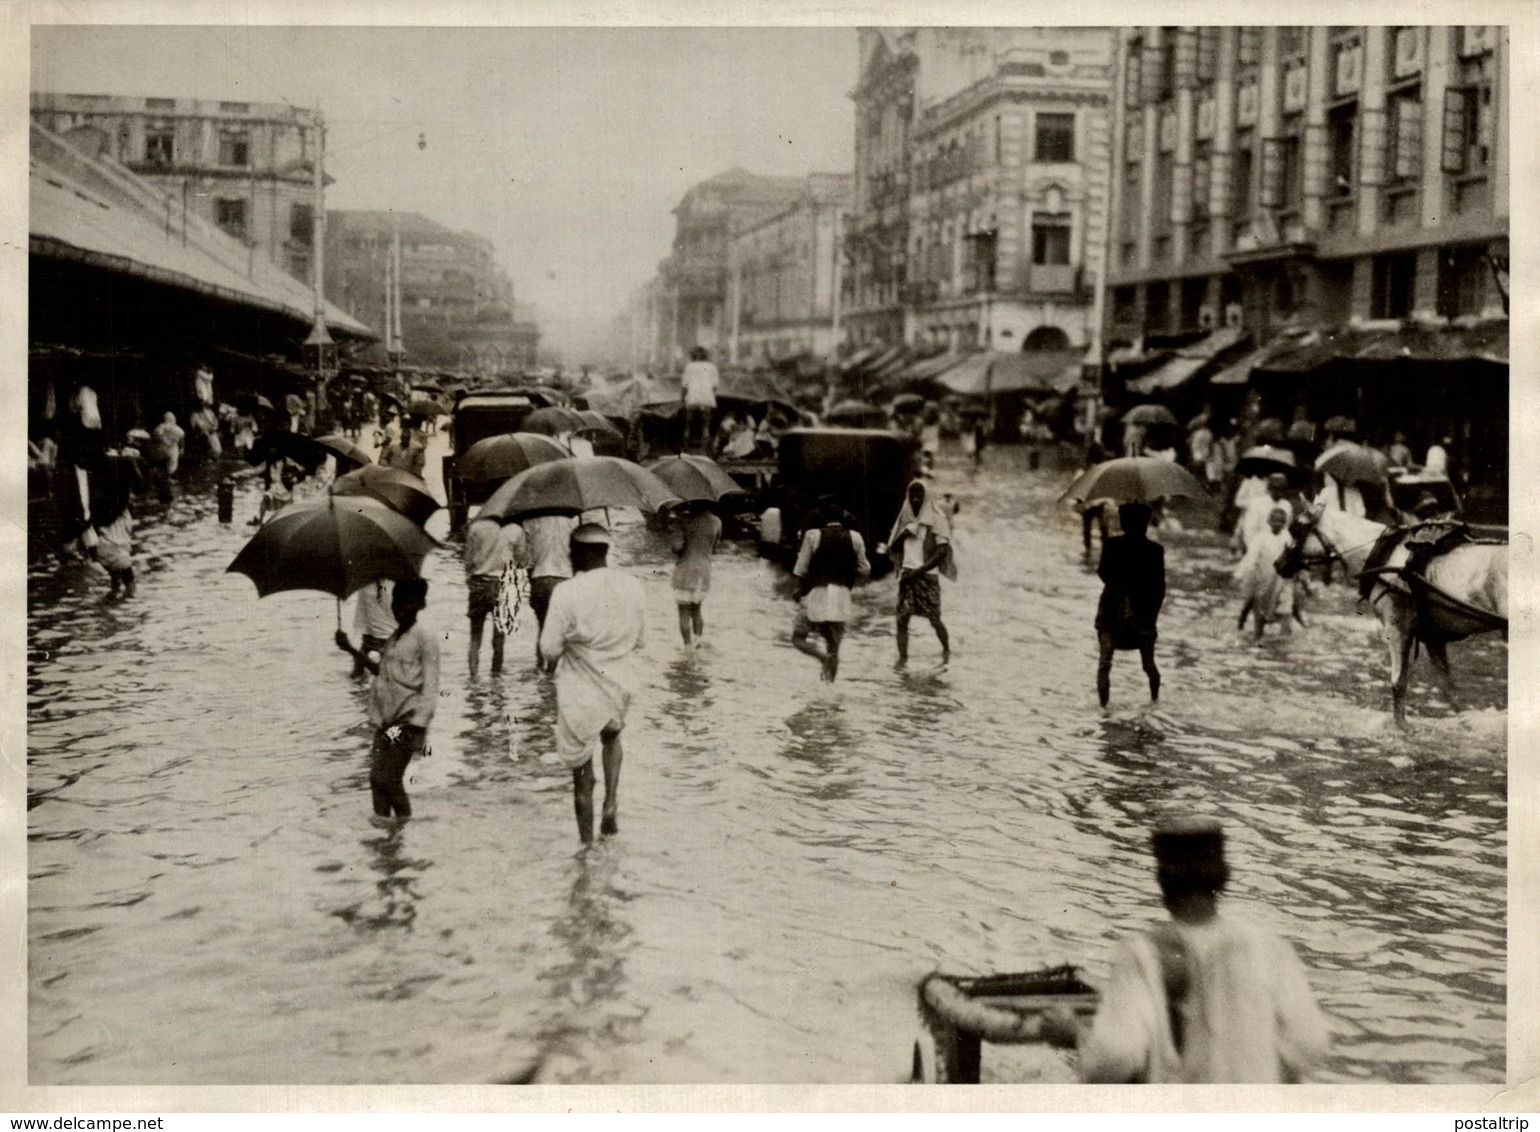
[927, 1068]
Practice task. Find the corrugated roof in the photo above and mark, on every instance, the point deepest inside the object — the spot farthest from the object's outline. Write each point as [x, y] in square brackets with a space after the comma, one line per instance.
[91, 210]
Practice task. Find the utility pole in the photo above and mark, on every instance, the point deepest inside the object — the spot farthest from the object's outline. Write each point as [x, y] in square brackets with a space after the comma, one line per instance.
[320, 339]
[1096, 359]
[395, 346]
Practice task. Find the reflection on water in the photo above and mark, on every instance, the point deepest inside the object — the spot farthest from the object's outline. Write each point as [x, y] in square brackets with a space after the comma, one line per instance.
[211, 900]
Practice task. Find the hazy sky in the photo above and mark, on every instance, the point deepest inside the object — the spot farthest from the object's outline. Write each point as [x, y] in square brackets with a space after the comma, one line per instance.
[567, 147]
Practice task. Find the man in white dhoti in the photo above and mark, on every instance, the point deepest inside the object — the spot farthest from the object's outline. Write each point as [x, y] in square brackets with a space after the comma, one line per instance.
[593, 627]
[1204, 998]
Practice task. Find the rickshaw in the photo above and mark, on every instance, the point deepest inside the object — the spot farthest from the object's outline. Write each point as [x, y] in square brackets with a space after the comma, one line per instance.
[958, 1014]
[477, 416]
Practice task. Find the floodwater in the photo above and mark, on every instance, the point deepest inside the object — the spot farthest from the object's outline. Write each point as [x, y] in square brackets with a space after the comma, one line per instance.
[211, 901]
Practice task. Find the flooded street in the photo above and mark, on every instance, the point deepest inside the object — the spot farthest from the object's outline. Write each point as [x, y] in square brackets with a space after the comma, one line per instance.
[211, 901]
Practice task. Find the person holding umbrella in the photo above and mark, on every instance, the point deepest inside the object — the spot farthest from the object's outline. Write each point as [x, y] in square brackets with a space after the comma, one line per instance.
[595, 624]
[697, 530]
[488, 552]
[1133, 574]
[402, 698]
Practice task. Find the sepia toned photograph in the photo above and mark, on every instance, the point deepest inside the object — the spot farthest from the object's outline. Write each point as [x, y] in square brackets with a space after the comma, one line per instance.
[839, 555]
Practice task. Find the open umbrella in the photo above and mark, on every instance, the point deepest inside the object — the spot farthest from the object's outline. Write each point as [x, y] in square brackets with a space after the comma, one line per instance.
[336, 546]
[345, 450]
[505, 456]
[908, 403]
[427, 408]
[553, 421]
[399, 490]
[1149, 415]
[594, 421]
[1351, 464]
[1266, 459]
[1269, 430]
[1341, 425]
[857, 414]
[255, 400]
[694, 477]
[306, 451]
[1133, 479]
[570, 487]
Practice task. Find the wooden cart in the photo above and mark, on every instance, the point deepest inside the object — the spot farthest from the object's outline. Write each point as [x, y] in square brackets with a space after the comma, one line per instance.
[959, 1013]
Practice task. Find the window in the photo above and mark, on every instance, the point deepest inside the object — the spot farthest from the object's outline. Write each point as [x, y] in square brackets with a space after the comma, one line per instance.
[1242, 182]
[1249, 47]
[1130, 207]
[1394, 283]
[1133, 69]
[1202, 176]
[1208, 54]
[1469, 120]
[159, 147]
[1462, 280]
[301, 223]
[1157, 307]
[1166, 77]
[231, 216]
[1160, 203]
[1050, 238]
[1292, 171]
[1055, 137]
[1291, 41]
[1341, 132]
[234, 148]
[1404, 127]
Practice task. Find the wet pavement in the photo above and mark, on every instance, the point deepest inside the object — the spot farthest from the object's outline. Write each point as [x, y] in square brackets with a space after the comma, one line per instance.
[210, 900]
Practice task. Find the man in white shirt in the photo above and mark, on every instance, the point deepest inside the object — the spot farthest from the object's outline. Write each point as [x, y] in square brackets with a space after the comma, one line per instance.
[488, 552]
[373, 622]
[594, 626]
[546, 550]
[831, 559]
[1203, 998]
[700, 381]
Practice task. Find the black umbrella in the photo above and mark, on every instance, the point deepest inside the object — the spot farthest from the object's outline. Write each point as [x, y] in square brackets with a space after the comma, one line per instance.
[398, 489]
[505, 456]
[347, 453]
[1265, 460]
[694, 477]
[1133, 479]
[595, 421]
[336, 546]
[553, 421]
[1149, 415]
[306, 451]
[570, 487]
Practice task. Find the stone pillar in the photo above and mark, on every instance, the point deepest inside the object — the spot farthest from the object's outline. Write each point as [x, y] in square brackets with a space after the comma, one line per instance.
[1182, 187]
[1436, 67]
[1371, 128]
[1315, 157]
[1220, 222]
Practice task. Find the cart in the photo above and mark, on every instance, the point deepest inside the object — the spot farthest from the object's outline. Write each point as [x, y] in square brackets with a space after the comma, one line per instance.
[959, 1013]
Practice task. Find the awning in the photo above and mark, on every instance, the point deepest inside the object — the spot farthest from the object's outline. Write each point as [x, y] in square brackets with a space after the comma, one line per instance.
[860, 358]
[990, 372]
[927, 368]
[1187, 361]
[1477, 340]
[95, 212]
[1239, 373]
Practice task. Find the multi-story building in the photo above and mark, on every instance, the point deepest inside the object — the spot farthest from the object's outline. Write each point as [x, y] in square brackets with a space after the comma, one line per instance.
[1292, 181]
[245, 166]
[695, 274]
[783, 275]
[980, 188]
[456, 303]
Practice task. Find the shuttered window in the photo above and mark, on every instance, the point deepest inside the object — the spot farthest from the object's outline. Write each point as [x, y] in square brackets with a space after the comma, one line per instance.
[1457, 101]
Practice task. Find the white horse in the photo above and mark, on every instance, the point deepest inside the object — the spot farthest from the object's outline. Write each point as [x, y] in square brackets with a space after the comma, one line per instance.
[1463, 591]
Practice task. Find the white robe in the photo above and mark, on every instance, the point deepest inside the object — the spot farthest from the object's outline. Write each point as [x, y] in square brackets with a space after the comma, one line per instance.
[595, 625]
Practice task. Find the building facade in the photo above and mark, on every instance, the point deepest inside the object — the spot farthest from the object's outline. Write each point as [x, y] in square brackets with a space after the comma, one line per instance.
[980, 186]
[457, 307]
[1285, 178]
[244, 166]
[783, 275]
[695, 274]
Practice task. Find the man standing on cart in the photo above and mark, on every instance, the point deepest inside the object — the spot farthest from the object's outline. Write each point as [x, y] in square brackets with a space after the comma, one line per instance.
[1203, 998]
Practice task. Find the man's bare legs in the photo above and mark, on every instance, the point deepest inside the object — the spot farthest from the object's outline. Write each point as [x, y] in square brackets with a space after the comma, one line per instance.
[583, 789]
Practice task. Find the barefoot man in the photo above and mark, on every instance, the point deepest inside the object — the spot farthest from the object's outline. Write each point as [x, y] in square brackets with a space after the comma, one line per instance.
[593, 627]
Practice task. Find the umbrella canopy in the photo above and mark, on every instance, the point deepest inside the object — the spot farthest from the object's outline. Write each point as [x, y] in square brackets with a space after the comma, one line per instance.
[1352, 463]
[1269, 430]
[908, 403]
[570, 487]
[336, 546]
[306, 451]
[597, 422]
[1341, 425]
[390, 399]
[857, 414]
[399, 490]
[1149, 415]
[553, 421]
[255, 400]
[1265, 459]
[694, 477]
[1133, 479]
[426, 407]
[345, 450]
[505, 456]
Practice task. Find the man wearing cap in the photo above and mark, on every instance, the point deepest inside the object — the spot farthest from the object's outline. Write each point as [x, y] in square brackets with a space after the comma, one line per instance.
[1201, 999]
[593, 627]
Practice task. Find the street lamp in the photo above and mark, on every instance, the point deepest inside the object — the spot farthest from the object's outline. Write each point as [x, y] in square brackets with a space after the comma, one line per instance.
[319, 346]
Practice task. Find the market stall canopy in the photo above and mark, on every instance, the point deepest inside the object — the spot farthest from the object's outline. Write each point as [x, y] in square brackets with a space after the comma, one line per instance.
[1039, 371]
[91, 210]
[1187, 361]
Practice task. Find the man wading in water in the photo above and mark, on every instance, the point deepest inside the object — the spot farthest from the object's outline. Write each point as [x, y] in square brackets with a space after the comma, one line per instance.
[829, 562]
[921, 548]
[593, 628]
[1203, 998]
[402, 699]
